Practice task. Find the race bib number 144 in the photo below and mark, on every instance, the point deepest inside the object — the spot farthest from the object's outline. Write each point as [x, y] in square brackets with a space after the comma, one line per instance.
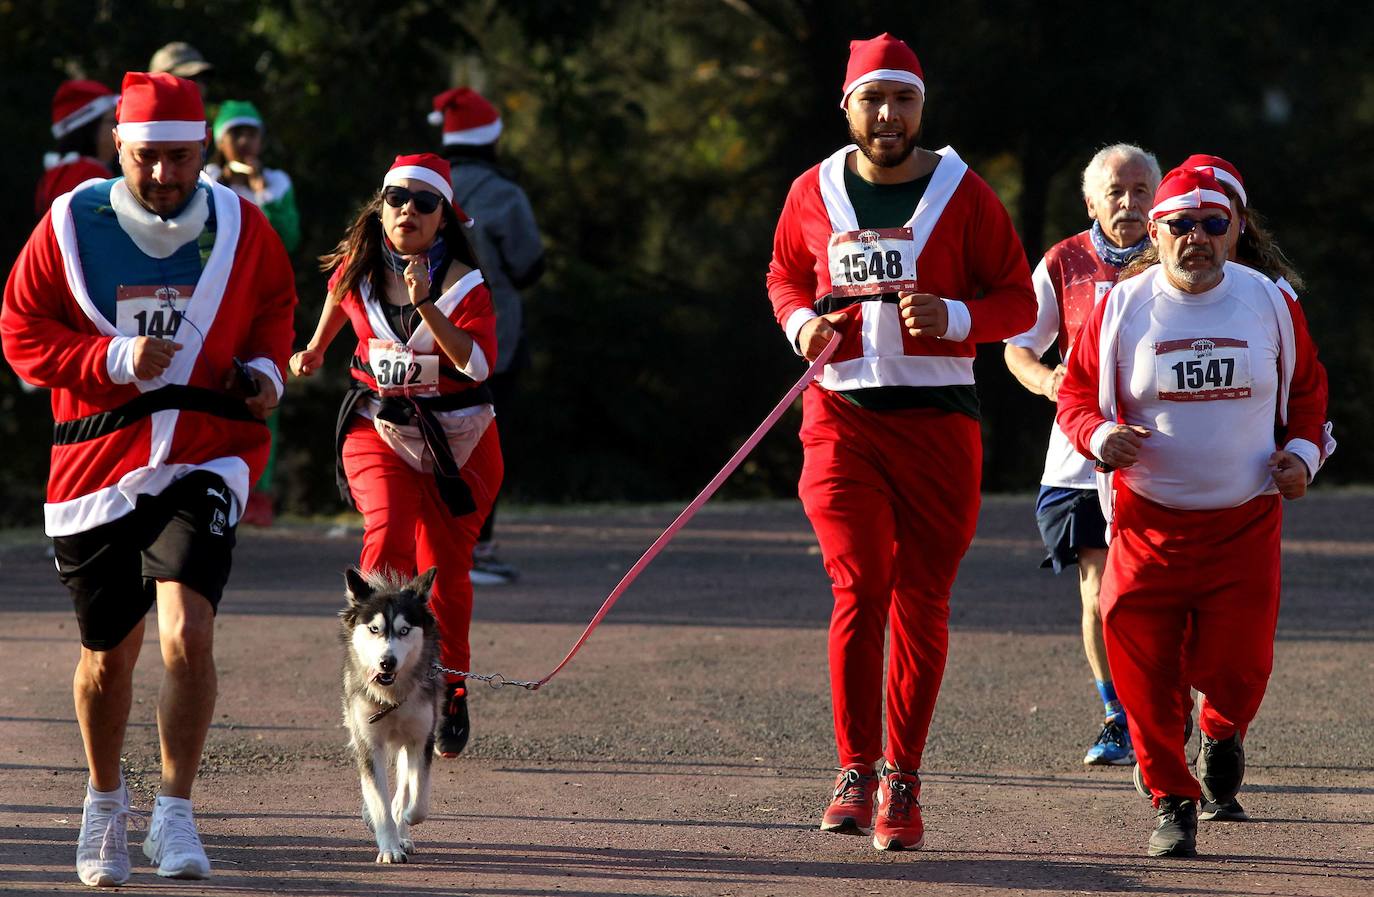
[873, 261]
[154, 311]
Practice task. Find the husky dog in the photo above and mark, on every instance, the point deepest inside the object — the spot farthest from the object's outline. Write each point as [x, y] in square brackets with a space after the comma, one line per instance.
[391, 697]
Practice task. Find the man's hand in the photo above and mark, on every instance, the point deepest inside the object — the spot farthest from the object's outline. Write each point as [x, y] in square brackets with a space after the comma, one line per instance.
[817, 333]
[1121, 448]
[1053, 380]
[306, 362]
[923, 314]
[1289, 473]
[152, 356]
[259, 404]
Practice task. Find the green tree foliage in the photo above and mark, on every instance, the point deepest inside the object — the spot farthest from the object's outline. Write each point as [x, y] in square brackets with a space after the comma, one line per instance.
[657, 141]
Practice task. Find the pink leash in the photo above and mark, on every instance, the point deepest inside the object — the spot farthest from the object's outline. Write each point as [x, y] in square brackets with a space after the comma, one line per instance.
[496, 679]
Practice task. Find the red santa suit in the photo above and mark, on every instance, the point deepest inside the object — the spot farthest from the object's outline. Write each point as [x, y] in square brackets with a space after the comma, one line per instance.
[62, 175]
[409, 525]
[1194, 560]
[115, 437]
[893, 494]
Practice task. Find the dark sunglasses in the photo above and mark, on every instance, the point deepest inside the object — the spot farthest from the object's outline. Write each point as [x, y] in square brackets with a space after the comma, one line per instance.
[1214, 227]
[425, 201]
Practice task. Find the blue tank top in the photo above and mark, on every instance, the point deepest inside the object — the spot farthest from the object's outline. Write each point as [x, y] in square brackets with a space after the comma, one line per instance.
[110, 259]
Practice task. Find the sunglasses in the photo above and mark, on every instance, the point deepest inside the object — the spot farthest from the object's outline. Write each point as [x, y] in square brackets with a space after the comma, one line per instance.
[425, 201]
[1214, 227]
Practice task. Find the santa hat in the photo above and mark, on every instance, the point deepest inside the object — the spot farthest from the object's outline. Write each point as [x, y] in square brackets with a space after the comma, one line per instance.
[1220, 169]
[425, 167]
[883, 58]
[235, 113]
[1188, 188]
[78, 103]
[468, 119]
[160, 107]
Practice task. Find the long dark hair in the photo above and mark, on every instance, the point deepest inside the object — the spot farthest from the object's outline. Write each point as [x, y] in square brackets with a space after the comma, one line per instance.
[359, 252]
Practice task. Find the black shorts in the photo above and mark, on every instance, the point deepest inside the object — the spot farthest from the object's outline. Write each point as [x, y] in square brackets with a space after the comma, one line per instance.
[1069, 519]
[182, 535]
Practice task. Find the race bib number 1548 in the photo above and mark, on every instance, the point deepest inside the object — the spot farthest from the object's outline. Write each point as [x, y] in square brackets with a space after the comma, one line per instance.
[871, 262]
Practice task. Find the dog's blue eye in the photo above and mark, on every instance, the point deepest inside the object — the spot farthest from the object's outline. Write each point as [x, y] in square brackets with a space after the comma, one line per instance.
[405, 631]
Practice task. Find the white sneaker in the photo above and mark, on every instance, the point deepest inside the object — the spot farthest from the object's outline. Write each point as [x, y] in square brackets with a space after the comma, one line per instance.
[102, 848]
[173, 842]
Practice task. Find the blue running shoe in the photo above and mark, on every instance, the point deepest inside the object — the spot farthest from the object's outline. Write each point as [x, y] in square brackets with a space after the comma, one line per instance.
[1112, 747]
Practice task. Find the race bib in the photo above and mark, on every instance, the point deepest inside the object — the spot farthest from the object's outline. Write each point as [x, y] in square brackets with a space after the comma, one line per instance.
[154, 311]
[1101, 288]
[1208, 369]
[399, 371]
[872, 261]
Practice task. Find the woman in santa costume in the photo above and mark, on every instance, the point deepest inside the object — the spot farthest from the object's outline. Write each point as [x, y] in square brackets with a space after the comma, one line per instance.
[1197, 384]
[908, 259]
[83, 121]
[418, 448]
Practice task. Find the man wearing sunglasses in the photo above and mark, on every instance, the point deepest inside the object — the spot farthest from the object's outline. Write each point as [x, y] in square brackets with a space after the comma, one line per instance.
[1197, 389]
[1074, 275]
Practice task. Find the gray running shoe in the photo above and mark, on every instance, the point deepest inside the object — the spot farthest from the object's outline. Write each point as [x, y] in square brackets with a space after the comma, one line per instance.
[1230, 811]
[1175, 833]
[1221, 768]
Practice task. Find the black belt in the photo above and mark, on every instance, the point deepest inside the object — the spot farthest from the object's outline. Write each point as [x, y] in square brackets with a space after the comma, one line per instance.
[829, 302]
[166, 398]
[416, 411]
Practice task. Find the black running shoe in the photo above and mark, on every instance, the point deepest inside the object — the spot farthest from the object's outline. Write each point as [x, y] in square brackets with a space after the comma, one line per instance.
[1175, 833]
[454, 726]
[1220, 768]
[1230, 811]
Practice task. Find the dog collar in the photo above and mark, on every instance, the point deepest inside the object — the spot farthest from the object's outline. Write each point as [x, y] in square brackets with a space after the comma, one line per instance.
[383, 712]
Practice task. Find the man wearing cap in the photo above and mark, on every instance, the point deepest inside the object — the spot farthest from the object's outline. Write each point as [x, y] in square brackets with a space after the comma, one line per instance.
[908, 259]
[508, 245]
[1118, 184]
[183, 60]
[158, 309]
[83, 126]
[1197, 386]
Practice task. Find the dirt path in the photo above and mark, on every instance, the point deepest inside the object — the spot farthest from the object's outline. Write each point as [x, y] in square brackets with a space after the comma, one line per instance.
[688, 749]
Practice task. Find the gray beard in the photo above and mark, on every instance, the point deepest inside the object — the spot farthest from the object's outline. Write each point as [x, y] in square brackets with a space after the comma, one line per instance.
[1198, 279]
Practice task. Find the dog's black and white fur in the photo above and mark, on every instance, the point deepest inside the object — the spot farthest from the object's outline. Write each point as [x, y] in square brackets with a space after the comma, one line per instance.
[391, 697]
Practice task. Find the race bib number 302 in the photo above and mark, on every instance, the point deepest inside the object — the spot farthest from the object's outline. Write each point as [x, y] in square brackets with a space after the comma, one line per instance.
[400, 371]
[873, 261]
[1206, 369]
[154, 311]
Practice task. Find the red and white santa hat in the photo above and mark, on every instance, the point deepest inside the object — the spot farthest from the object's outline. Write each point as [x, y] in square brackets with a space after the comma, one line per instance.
[426, 167]
[78, 103]
[467, 118]
[882, 58]
[160, 107]
[1220, 169]
[1188, 188]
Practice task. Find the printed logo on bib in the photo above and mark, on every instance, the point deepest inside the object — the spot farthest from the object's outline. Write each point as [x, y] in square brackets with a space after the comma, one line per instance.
[1207, 369]
[399, 371]
[1101, 288]
[154, 311]
[872, 261]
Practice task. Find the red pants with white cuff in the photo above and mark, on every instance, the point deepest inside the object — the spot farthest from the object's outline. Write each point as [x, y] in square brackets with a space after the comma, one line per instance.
[1189, 598]
[407, 527]
[893, 497]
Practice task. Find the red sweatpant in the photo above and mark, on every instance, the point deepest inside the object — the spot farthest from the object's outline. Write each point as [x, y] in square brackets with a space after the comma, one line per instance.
[893, 498]
[407, 527]
[1189, 598]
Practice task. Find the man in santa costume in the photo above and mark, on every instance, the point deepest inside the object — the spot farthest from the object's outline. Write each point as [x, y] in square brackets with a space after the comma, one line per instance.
[908, 259]
[1197, 385]
[158, 309]
[1119, 183]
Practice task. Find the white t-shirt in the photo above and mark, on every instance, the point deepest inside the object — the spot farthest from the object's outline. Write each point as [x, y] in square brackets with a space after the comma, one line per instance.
[1201, 372]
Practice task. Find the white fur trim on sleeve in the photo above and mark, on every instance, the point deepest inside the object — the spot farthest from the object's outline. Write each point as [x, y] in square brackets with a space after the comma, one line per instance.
[1099, 437]
[478, 368]
[956, 331]
[1309, 453]
[268, 368]
[119, 359]
[795, 322]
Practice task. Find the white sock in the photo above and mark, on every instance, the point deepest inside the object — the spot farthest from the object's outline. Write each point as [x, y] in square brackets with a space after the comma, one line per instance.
[173, 803]
[117, 794]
